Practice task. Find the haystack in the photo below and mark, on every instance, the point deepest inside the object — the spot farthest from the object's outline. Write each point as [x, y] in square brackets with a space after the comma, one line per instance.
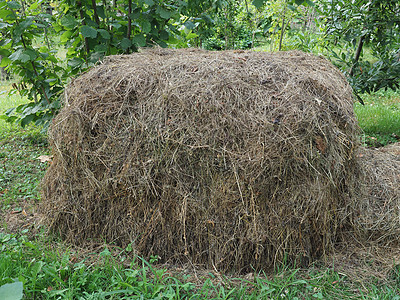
[233, 160]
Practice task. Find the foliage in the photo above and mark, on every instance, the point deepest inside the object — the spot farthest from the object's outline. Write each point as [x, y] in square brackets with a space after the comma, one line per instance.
[87, 28]
[36, 65]
[225, 24]
[351, 25]
[284, 14]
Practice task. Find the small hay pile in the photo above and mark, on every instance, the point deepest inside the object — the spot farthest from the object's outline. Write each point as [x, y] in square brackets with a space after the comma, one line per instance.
[378, 211]
[233, 160]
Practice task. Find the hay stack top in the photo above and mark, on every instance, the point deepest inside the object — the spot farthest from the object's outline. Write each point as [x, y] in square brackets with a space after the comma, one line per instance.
[261, 82]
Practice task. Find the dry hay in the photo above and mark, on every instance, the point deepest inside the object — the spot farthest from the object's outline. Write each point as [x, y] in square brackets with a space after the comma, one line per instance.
[378, 210]
[232, 160]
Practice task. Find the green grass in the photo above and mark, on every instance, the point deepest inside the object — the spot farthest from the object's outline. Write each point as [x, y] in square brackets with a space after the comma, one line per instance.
[20, 170]
[50, 270]
[380, 117]
[51, 274]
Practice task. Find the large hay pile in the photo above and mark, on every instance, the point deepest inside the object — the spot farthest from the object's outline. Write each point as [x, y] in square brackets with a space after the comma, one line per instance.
[229, 159]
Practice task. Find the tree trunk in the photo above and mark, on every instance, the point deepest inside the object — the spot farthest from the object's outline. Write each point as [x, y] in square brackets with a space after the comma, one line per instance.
[283, 28]
[357, 55]
[82, 15]
[128, 34]
[96, 16]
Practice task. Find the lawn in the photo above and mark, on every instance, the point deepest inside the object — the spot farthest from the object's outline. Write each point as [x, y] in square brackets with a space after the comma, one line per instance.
[46, 268]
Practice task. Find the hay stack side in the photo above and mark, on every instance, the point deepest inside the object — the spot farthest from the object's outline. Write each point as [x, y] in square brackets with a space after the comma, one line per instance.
[235, 160]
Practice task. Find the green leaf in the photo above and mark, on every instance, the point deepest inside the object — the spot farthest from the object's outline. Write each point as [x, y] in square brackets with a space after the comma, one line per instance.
[4, 25]
[88, 32]
[4, 52]
[9, 111]
[96, 56]
[91, 23]
[5, 61]
[116, 25]
[31, 53]
[27, 119]
[19, 55]
[66, 36]
[13, 5]
[149, 2]
[75, 62]
[189, 25]
[26, 24]
[125, 43]
[104, 34]
[299, 2]
[32, 110]
[100, 48]
[22, 107]
[68, 22]
[24, 57]
[173, 40]
[258, 3]
[146, 26]
[4, 42]
[164, 35]
[140, 40]
[135, 14]
[5, 13]
[162, 44]
[34, 6]
[165, 14]
[11, 291]
[191, 35]
[11, 119]
[100, 12]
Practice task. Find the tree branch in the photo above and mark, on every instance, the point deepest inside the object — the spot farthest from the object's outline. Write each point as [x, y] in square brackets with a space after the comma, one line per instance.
[82, 15]
[128, 34]
[96, 16]
[357, 55]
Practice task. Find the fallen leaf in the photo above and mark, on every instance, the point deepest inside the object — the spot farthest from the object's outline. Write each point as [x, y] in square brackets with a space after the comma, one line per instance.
[45, 158]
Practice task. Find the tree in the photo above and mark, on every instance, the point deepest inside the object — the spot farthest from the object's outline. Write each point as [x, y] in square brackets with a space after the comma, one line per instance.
[365, 22]
[89, 29]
